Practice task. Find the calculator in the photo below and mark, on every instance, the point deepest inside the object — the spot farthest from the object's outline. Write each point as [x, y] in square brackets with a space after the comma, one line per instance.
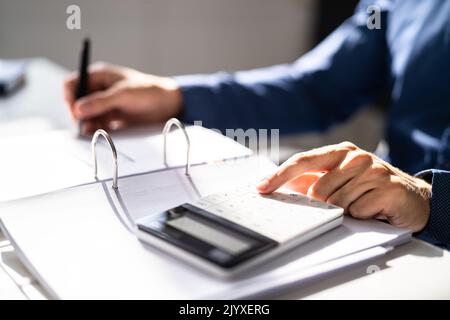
[229, 232]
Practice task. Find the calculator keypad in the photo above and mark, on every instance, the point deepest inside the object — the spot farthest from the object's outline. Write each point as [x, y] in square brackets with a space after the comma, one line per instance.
[279, 216]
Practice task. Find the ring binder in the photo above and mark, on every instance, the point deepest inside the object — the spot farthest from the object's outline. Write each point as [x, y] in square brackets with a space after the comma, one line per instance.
[108, 139]
[175, 122]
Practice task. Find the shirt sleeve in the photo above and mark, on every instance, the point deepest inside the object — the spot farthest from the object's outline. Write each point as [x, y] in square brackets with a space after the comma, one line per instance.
[325, 86]
[437, 230]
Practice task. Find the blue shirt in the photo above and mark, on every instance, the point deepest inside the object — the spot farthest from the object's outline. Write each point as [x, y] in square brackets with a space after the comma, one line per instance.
[408, 57]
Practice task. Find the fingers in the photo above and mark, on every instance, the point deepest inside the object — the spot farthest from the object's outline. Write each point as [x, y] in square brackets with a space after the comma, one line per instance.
[304, 182]
[99, 103]
[101, 77]
[350, 192]
[112, 121]
[330, 183]
[322, 159]
[87, 128]
[335, 179]
[369, 205]
[343, 186]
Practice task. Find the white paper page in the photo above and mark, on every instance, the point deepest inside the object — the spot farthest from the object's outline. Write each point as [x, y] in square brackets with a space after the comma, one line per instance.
[144, 152]
[78, 248]
[3, 241]
[8, 289]
[13, 267]
[292, 276]
[206, 146]
[36, 164]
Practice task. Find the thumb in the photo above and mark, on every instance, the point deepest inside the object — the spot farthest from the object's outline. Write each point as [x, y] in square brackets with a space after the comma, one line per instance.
[99, 103]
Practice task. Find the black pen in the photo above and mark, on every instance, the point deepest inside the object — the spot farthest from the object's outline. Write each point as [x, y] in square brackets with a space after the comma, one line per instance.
[83, 76]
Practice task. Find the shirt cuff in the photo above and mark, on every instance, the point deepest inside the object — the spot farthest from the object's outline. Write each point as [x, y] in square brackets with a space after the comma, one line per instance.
[198, 92]
[437, 230]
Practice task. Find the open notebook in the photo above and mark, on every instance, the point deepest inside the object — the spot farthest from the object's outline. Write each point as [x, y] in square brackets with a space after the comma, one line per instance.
[77, 242]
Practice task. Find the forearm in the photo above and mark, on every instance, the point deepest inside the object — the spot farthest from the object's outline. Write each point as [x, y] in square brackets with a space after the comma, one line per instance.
[321, 88]
[264, 98]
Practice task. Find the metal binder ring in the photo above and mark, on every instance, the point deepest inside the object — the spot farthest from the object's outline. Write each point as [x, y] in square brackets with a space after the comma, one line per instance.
[108, 139]
[167, 127]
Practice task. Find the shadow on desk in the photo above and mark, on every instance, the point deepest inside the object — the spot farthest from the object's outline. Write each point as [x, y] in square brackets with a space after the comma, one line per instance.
[415, 248]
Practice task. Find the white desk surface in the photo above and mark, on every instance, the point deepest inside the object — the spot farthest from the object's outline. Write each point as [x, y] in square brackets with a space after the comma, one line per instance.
[415, 270]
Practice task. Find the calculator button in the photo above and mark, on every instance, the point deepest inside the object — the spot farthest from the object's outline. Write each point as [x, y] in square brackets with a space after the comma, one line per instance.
[278, 216]
[218, 210]
[232, 204]
[214, 198]
[202, 204]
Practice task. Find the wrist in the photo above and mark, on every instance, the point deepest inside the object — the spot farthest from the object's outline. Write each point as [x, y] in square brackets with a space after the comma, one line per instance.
[173, 97]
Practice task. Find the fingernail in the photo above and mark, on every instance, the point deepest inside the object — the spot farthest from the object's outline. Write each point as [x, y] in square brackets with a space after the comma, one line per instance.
[263, 185]
[116, 125]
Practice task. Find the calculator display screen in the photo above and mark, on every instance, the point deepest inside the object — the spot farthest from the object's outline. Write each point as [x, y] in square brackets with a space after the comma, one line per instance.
[206, 235]
[211, 235]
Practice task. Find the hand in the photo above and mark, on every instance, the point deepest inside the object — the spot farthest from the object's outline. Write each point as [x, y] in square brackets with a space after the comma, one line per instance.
[120, 97]
[358, 181]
